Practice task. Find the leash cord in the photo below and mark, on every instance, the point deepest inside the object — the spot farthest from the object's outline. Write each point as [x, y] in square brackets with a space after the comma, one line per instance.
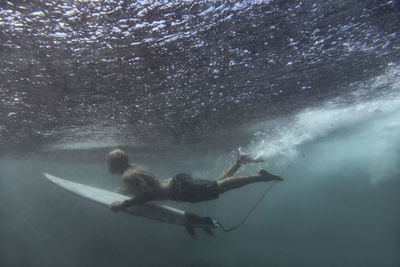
[250, 212]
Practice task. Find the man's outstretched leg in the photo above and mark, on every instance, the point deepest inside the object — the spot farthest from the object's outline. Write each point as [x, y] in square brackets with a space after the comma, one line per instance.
[231, 170]
[234, 182]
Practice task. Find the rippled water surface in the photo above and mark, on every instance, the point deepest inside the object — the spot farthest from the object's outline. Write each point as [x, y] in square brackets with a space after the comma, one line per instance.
[183, 71]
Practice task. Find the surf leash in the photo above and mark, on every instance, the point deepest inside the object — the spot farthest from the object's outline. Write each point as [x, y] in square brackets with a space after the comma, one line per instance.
[250, 212]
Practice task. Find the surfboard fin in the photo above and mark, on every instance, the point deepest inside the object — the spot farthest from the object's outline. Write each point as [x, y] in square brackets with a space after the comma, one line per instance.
[208, 231]
[194, 221]
[191, 231]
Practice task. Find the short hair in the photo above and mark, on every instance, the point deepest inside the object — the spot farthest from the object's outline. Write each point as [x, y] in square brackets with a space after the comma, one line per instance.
[117, 159]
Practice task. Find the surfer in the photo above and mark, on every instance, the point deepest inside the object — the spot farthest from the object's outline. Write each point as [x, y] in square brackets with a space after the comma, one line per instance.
[143, 186]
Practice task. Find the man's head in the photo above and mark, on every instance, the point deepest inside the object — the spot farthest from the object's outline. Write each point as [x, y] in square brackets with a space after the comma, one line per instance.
[117, 161]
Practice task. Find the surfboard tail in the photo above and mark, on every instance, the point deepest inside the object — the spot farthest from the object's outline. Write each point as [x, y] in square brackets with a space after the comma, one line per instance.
[195, 221]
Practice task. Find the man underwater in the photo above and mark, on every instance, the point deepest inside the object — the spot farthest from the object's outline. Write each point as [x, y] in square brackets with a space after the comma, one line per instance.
[143, 186]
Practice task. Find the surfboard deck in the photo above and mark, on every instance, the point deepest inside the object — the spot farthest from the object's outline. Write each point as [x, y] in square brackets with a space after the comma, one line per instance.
[152, 211]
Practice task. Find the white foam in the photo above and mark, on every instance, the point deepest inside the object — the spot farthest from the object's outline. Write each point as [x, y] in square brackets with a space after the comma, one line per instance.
[370, 125]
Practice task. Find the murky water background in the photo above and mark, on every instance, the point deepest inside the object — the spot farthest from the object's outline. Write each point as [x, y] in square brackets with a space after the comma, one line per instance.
[312, 86]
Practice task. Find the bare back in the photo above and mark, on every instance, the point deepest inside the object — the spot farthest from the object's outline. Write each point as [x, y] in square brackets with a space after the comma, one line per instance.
[143, 184]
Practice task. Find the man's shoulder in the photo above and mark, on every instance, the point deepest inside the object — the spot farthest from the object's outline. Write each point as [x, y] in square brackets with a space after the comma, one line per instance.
[134, 170]
[130, 172]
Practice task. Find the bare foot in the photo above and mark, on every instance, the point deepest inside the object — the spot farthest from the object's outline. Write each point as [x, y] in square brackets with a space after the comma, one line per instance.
[246, 158]
[264, 173]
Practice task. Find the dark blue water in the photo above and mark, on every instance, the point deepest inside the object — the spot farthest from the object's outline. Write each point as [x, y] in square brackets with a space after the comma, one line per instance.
[313, 87]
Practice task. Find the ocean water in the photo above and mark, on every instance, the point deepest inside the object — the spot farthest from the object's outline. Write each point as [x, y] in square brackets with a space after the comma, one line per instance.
[313, 87]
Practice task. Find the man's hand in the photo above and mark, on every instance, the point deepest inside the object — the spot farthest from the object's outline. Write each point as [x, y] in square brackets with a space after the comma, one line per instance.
[117, 206]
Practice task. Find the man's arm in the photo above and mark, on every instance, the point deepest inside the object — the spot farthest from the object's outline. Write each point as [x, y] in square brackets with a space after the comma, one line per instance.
[121, 205]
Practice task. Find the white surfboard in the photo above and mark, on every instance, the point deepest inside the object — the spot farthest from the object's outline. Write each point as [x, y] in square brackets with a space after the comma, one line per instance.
[149, 210]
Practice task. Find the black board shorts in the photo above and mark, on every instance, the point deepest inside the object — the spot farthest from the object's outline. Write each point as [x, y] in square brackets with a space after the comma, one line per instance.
[185, 188]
